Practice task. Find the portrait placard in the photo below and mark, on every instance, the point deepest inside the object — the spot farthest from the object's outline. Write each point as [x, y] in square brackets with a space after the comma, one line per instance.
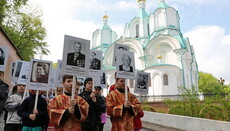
[17, 71]
[4, 51]
[58, 78]
[142, 82]
[125, 64]
[95, 62]
[100, 79]
[52, 78]
[24, 73]
[39, 75]
[12, 68]
[117, 48]
[75, 58]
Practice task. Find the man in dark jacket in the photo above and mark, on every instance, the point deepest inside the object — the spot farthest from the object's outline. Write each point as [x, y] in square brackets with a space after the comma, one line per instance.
[4, 90]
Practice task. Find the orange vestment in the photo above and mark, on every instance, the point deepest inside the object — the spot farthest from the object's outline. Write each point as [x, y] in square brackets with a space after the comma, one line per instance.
[58, 106]
[122, 119]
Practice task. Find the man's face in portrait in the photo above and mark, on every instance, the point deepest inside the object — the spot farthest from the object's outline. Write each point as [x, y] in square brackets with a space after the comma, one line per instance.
[93, 55]
[126, 60]
[77, 47]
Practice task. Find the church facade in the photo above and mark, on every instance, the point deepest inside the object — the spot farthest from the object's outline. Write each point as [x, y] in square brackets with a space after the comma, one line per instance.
[159, 48]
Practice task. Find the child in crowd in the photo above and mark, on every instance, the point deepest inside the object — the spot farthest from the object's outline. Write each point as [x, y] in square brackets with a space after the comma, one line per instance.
[67, 114]
[13, 121]
[34, 119]
[101, 99]
[137, 120]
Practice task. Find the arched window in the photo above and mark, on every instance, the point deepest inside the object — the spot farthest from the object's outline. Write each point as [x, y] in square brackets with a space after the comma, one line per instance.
[137, 30]
[166, 79]
[148, 29]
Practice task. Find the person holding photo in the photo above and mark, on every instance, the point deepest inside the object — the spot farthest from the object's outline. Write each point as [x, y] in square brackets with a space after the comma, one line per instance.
[121, 111]
[76, 58]
[67, 114]
[93, 120]
[34, 119]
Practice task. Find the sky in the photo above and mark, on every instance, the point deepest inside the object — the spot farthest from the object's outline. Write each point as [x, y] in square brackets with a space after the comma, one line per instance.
[204, 22]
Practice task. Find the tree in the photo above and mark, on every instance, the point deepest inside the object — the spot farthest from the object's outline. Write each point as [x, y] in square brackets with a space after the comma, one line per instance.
[208, 84]
[25, 28]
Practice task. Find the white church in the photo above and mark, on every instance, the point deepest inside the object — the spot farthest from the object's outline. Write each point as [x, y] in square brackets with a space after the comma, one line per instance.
[159, 48]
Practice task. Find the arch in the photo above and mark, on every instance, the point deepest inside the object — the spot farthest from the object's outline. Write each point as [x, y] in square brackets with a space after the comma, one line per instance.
[165, 80]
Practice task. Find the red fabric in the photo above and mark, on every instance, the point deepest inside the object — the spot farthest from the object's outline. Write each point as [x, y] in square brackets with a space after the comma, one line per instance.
[137, 120]
[112, 87]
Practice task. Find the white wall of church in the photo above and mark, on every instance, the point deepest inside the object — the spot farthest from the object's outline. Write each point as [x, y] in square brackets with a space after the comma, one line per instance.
[106, 36]
[172, 18]
[96, 38]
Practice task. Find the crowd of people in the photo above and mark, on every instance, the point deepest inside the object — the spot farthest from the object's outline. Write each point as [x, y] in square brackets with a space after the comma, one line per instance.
[86, 111]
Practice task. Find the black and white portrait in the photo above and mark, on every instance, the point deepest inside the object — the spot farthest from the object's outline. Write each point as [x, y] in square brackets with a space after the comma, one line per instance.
[4, 50]
[2, 56]
[102, 79]
[40, 74]
[24, 73]
[125, 64]
[58, 78]
[142, 82]
[117, 49]
[16, 71]
[12, 68]
[95, 60]
[75, 58]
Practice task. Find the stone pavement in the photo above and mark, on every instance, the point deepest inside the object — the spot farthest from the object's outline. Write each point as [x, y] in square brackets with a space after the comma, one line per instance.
[107, 126]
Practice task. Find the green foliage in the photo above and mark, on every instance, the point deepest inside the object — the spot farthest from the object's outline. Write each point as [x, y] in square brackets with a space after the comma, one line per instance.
[24, 27]
[215, 107]
[208, 84]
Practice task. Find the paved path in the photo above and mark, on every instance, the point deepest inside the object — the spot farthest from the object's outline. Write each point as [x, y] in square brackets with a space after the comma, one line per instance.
[107, 126]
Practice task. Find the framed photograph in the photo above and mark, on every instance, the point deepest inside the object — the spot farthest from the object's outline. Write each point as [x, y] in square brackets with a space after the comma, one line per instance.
[100, 79]
[24, 73]
[125, 64]
[75, 58]
[17, 71]
[95, 62]
[58, 78]
[117, 48]
[81, 80]
[4, 51]
[39, 75]
[142, 82]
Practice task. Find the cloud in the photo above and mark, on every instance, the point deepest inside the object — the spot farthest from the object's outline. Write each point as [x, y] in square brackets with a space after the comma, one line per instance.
[211, 46]
[226, 40]
[197, 2]
[126, 5]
